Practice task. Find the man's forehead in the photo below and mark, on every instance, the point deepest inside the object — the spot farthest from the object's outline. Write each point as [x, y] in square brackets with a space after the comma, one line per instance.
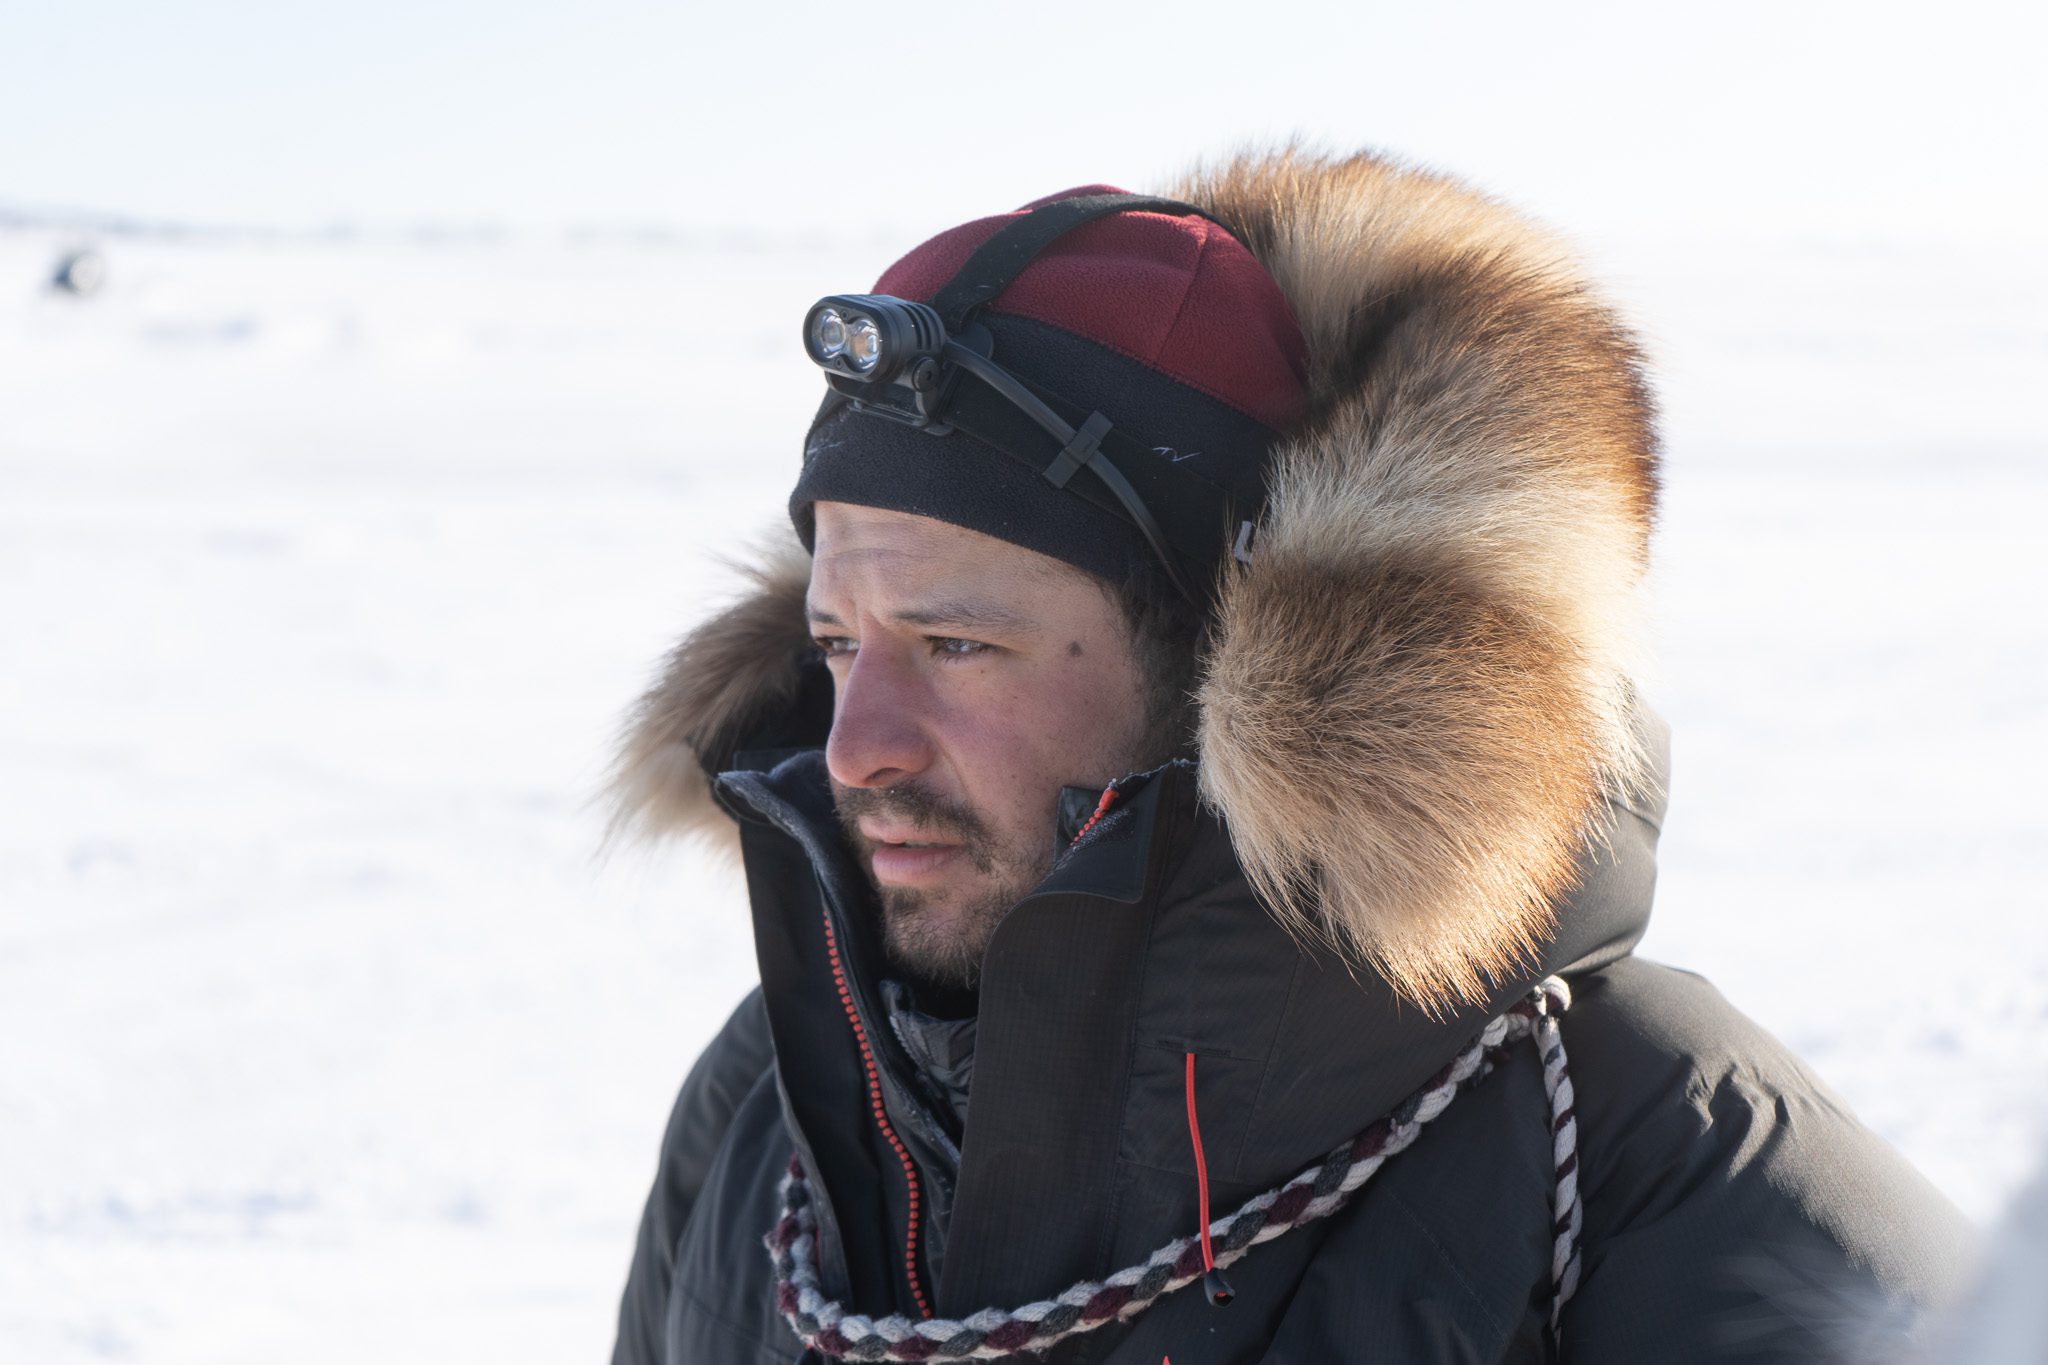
[924, 572]
[864, 542]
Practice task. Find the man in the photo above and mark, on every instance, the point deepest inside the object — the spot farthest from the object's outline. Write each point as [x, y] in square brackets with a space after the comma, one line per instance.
[1197, 815]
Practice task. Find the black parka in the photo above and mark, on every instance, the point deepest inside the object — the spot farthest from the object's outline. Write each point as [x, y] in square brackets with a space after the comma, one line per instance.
[1734, 1209]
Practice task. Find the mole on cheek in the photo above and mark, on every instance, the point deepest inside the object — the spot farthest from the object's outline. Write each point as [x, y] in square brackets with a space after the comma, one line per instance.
[1073, 649]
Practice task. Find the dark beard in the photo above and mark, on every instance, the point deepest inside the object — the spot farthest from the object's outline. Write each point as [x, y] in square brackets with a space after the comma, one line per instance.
[930, 947]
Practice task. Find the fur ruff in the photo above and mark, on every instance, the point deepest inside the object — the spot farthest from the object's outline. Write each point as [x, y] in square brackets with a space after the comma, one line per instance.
[729, 671]
[1416, 701]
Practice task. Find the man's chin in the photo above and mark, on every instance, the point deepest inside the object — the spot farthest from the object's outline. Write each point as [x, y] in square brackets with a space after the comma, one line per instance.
[937, 938]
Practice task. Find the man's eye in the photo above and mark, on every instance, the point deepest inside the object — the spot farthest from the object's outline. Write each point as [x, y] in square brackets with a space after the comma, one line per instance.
[957, 649]
[829, 645]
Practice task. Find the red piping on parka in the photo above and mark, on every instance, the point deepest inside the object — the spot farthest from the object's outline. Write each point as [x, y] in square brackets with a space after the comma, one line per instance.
[1214, 1286]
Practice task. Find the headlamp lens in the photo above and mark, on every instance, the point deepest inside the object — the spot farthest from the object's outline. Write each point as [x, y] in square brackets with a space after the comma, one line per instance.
[863, 344]
[828, 334]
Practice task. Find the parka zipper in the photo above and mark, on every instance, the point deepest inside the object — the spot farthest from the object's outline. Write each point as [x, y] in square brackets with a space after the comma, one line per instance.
[874, 1083]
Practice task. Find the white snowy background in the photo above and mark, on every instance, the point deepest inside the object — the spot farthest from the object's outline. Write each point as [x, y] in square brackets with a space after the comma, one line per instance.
[338, 530]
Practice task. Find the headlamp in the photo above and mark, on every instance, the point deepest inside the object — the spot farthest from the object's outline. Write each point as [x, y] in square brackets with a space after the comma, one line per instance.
[872, 337]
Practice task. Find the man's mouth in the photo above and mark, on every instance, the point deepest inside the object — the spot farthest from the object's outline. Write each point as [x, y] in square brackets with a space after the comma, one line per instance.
[905, 857]
[900, 836]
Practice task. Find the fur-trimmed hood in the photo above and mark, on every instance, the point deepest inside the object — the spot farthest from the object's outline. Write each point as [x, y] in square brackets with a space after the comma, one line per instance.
[1418, 692]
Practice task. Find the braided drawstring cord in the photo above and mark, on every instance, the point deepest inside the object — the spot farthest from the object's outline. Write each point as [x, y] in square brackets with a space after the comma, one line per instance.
[1551, 999]
[992, 1334]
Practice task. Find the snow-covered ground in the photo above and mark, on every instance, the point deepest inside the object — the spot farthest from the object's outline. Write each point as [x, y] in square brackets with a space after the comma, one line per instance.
[326, 569]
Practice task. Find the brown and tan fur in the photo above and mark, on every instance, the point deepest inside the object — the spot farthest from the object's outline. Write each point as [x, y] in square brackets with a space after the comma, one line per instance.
[729, 670]
[1417, 694]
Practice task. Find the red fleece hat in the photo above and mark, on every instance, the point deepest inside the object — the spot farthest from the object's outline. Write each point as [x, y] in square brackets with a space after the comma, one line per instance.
[1165, 324]
[1178, 295]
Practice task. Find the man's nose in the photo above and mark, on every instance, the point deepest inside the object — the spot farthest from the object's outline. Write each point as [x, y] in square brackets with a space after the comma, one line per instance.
[879, 734]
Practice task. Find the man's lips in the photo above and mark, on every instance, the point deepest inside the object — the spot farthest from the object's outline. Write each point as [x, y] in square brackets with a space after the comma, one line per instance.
[904, 856]
[899, 835]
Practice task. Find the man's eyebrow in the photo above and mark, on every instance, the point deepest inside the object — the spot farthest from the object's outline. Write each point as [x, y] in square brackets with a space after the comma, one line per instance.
[965, 613]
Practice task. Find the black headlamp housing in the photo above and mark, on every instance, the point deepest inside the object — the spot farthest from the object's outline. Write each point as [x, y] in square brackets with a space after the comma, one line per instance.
[872, 337]
[888, 355]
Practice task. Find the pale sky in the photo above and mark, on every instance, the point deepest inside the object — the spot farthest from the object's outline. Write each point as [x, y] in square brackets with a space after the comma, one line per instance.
[1840, 121]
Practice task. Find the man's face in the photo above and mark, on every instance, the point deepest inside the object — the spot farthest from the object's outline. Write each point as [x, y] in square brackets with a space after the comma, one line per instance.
[972, 680]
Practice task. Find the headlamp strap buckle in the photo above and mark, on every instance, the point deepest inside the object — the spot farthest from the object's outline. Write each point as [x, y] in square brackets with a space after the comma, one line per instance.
[1077, 452]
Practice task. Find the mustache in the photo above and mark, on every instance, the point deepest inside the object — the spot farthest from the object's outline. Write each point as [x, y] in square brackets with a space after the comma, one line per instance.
[912, 801]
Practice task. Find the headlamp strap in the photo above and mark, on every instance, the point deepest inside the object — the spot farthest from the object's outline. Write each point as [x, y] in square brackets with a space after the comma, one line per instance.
[1169, 505]
[1002, 257]
[1077, 452]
